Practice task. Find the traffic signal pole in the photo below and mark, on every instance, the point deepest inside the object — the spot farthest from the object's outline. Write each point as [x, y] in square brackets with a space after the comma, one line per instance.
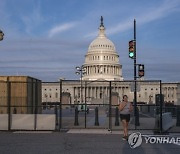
[135, 77]
[133, 55]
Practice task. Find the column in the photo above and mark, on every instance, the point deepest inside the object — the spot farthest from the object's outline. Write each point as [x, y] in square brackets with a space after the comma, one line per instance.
[96, 92]
[92, 93]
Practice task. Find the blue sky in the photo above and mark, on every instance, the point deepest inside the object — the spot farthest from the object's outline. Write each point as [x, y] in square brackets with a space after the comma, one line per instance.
[47, 39]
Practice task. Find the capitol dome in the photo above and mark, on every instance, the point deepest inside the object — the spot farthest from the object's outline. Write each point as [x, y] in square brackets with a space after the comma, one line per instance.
[102, 60]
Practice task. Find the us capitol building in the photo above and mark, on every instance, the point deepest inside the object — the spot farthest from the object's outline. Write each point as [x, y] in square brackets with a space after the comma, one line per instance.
[102, 64]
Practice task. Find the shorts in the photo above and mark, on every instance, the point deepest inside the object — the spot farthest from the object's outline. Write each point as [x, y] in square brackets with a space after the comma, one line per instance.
[125, 117]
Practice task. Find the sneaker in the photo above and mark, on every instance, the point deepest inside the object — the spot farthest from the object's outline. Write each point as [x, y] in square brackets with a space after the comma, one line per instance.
[126, 138]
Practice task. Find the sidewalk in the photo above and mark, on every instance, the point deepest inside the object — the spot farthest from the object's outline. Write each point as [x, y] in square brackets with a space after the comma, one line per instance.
[80, 141]
[105, 131]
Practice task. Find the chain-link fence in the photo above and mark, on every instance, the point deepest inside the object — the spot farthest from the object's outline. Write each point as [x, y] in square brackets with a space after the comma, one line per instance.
[85, 104]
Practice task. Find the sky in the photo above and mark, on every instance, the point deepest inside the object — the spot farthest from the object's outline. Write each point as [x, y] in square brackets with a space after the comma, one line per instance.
[47, 39]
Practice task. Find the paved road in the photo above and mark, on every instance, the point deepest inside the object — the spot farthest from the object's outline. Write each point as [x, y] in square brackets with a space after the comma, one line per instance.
[68, 143]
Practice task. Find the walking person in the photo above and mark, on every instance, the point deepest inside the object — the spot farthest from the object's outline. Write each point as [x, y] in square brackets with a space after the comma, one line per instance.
[125, 108]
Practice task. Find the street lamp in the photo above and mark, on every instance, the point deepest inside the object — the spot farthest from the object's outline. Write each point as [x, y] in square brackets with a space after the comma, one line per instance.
[81, 71]
[1, 35]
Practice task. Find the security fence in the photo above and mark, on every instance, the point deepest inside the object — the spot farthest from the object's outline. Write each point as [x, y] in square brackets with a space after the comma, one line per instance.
[72, 104]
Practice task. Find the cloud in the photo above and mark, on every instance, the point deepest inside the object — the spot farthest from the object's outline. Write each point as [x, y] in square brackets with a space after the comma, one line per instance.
[156, 13]
[149, 15]
[33, 19]
[61, 28]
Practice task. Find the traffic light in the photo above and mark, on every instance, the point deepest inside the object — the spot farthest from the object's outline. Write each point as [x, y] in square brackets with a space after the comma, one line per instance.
[141, 70]
[131, 49]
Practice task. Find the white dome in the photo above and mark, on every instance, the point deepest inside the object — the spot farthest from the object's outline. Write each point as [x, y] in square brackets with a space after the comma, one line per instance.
[102, 60]
[102, 42]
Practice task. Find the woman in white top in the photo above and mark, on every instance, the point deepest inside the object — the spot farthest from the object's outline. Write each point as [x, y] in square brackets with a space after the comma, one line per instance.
[125, 108]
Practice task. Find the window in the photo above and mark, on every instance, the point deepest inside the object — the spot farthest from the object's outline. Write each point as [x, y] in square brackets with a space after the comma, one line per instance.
[100, 95]
[56, 95]
[78, 94]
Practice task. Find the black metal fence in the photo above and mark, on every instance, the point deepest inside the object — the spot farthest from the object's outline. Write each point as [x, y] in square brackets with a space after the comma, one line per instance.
[72, 104]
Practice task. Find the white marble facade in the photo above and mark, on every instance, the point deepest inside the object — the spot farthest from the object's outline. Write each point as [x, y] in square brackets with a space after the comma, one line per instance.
[102, 64]
[99, 91]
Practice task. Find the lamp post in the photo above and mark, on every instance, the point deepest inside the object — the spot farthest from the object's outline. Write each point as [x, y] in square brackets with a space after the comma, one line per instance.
[80, 70]
[1, 35]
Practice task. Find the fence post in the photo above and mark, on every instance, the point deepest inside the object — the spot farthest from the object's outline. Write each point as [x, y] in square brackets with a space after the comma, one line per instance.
[36, 104]
[96, 117]
[85, 104]
[9, 104]
[137, 117]
[110, 118]
[60, 105]
[76, 123]
[117, 117]
[178, 116]
[161, 105]
[56, 113]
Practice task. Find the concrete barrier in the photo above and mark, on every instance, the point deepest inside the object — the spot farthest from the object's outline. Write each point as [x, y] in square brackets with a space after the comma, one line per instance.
[27, 122]
[22, 121]
[3, 121]
[167, 121]
[46, 122]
